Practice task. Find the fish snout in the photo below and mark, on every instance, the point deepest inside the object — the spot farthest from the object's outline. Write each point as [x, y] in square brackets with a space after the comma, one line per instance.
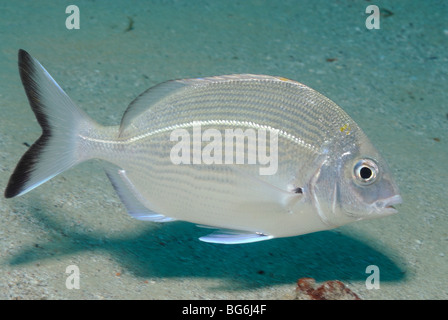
[386, 206]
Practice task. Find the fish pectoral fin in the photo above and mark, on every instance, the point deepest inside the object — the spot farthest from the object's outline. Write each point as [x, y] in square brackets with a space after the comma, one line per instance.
[274, 198]
[227, 236]
[131, 198]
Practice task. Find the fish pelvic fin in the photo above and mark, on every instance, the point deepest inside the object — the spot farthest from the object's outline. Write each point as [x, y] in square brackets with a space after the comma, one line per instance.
[226, 236]
[61, 120]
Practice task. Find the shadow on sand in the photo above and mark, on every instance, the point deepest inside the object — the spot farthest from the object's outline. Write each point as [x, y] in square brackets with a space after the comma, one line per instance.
[173, 250]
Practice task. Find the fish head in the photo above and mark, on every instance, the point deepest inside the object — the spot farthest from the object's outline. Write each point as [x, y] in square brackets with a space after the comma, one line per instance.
[354, 183]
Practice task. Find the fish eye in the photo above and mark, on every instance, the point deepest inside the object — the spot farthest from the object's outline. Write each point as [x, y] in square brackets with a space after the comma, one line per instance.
[365, 171]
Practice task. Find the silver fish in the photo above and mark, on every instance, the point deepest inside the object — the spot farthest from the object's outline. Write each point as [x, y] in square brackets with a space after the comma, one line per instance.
[326, 171]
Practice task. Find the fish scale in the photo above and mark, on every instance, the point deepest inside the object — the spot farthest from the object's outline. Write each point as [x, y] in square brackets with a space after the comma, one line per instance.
[197, 107]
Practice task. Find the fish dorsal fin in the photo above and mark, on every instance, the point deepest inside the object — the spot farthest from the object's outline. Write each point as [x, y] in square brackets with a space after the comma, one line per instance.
[169, 89]
[230, 77]
[131, 198]
[147, 99]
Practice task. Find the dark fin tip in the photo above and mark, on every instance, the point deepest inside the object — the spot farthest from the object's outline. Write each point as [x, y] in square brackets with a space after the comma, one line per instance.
[27, 72]
[24, 169]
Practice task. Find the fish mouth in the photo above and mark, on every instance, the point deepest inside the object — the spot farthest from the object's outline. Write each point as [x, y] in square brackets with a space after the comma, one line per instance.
[386, 206]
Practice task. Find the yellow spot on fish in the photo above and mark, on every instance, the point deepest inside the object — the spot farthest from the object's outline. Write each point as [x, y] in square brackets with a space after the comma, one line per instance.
[283, 79]
[345, 128]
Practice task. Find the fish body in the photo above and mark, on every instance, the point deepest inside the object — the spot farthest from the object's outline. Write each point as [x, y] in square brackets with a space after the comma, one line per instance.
[306, 165]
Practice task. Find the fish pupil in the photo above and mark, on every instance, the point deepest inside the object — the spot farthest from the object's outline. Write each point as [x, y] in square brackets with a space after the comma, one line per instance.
[298, 190]
[365, 173]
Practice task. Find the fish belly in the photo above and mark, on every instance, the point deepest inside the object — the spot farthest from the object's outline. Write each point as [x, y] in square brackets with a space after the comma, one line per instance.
[228, 196]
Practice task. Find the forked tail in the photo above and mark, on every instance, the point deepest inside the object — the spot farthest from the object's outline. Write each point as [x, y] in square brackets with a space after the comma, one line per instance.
[61, 120]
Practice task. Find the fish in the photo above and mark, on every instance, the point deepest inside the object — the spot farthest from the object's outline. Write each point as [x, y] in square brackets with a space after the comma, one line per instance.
[294, 162]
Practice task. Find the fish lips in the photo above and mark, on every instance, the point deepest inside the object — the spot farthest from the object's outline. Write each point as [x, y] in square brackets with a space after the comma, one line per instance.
[386, 206]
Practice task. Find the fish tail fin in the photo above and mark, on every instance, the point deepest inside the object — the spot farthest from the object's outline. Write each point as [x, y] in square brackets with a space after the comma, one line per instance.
[61, 120]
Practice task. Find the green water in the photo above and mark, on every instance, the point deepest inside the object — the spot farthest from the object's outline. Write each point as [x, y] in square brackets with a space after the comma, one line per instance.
[392, 81]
